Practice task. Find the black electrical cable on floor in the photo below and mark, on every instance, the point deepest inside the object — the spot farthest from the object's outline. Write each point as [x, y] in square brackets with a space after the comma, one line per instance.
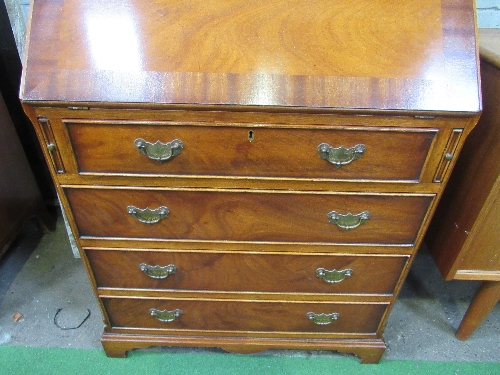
[68, 328]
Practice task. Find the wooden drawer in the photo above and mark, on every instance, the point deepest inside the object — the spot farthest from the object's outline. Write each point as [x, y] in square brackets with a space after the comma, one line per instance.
[231, 315]
[273, 152]
[248, 216]
[246, 272]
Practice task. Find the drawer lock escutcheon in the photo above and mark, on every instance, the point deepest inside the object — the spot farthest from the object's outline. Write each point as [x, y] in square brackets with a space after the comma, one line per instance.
[159, 151]
[340, 156]
[334, 276]
[147, 215]
[158, 272]
[165, 316]
[349, 220]
[322, 319]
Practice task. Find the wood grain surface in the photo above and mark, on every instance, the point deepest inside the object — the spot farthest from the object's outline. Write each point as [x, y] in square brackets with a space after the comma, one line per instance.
[251, 88]
[248, 216]
[204, 271]
[415, 55]
[244, 316]
[464, 234]
[246, 150]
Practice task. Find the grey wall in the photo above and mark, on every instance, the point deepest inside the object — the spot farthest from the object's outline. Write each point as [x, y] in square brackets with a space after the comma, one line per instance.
[488, 13]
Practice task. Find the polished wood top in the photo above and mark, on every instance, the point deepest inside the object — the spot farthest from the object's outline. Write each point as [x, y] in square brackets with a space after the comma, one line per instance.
[417, 55]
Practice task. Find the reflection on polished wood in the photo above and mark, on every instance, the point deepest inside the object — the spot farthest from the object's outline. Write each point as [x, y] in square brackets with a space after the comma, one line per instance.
[411, 55]
[251, 92]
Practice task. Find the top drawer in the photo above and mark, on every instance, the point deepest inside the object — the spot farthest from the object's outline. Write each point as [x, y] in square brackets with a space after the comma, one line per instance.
[356, 153]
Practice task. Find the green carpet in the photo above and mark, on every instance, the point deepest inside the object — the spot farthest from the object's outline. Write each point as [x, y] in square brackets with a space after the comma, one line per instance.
[53, 361]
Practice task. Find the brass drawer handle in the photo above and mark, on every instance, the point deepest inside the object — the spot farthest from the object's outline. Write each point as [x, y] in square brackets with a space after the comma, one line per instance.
[158, 272]
[147, 215]
[348, 221]
[340, 156]
[165, 316]
[334, 276]
[159, 151]
[322, 319]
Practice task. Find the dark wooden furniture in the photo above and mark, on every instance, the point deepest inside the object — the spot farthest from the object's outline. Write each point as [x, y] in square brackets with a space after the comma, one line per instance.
[20, 197]
[250, 175]
[464, 237]
[10, 81]
[23, 172]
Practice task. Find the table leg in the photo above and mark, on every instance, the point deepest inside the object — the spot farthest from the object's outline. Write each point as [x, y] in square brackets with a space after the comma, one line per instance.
[484, 301]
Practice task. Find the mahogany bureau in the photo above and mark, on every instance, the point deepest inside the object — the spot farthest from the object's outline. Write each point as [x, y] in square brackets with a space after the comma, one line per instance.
[250, 175]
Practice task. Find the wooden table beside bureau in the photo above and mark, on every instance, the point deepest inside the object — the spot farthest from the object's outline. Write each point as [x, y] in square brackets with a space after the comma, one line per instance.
[464, 237]
[250, 175]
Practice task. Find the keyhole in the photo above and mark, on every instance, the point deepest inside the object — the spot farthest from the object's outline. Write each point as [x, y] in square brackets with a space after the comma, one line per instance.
[250, 136]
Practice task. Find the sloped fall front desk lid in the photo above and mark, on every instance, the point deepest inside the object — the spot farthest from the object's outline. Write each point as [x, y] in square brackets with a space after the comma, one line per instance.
[391, 55]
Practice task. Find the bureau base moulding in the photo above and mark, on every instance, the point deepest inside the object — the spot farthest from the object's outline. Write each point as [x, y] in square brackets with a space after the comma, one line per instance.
[369, 351]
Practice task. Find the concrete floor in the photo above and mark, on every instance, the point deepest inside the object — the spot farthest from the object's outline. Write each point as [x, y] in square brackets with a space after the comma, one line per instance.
[39, 276]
